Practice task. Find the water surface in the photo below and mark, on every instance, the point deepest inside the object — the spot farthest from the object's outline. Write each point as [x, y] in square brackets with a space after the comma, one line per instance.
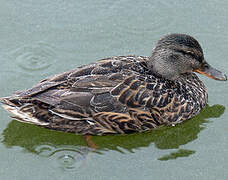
[41, 38]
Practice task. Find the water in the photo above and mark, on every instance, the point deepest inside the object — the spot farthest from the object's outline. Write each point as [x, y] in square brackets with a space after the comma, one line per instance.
[41, 38]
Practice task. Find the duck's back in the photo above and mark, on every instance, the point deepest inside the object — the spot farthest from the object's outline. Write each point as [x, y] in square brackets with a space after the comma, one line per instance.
[114, 95]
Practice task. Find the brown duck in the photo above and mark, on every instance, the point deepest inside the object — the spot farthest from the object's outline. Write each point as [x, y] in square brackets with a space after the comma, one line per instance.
[121, 94]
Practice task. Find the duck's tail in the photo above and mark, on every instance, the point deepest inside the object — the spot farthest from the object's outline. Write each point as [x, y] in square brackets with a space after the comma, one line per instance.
[21, 110]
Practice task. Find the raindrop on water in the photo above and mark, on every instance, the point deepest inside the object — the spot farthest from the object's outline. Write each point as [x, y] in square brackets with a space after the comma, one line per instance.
[67, 161]
[64, 157]
[35, 57]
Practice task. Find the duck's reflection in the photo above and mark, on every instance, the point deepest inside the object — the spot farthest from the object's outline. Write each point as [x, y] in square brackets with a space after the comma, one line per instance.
[64, 146]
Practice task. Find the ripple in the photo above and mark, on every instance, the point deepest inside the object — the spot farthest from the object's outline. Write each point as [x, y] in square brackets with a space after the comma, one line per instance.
[64, 157]
[66, 161]
[44, 150]
[34, 57]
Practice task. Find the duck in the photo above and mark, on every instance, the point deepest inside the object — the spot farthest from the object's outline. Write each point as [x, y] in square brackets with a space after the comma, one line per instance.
[121, 94]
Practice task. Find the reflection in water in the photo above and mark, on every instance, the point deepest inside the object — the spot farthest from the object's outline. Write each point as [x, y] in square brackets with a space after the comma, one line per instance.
[34, 57]
[70, 150]
[1, 138]
[177, 154]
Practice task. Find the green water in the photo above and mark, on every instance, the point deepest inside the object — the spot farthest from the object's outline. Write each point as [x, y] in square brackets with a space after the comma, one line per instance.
[42, 38]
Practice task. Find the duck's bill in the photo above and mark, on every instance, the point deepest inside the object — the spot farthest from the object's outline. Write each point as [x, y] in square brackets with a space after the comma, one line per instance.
[211, 72]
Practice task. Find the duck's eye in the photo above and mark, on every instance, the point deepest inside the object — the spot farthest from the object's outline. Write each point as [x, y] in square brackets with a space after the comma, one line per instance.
[189, 53]
[206, 66]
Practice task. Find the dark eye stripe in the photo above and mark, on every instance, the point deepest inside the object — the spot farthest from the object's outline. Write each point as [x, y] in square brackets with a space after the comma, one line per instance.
[193, 55]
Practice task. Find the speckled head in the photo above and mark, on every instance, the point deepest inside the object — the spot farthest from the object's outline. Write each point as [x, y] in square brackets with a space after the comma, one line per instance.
[176, 54]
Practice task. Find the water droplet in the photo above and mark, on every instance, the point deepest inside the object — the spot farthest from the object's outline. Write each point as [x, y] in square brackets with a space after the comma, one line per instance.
[64, 157]
[35, 57]
[67, 161]
[69, 158]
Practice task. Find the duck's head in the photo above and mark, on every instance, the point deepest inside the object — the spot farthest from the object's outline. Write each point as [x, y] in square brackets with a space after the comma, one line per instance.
[176, 54]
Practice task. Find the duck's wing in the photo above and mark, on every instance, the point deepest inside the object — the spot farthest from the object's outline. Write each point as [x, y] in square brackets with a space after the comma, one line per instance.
[83, 97]
[77, 93]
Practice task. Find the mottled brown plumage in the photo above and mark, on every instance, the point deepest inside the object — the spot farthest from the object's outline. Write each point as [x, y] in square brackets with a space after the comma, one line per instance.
[122, 94]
